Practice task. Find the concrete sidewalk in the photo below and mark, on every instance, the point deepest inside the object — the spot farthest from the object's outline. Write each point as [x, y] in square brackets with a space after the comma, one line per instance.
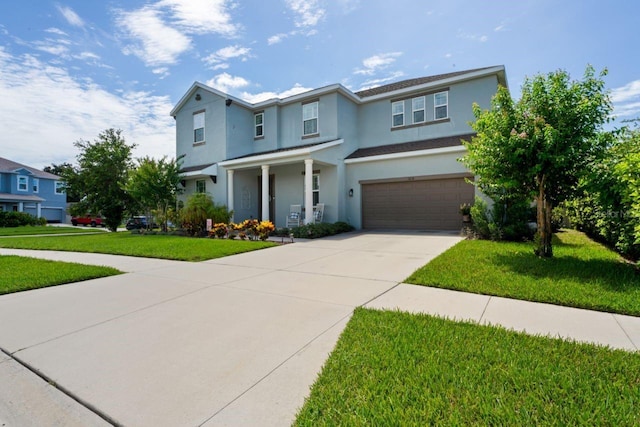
[233, 341]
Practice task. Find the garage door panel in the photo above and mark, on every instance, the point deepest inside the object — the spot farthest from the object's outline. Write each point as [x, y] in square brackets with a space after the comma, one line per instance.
[419, 204]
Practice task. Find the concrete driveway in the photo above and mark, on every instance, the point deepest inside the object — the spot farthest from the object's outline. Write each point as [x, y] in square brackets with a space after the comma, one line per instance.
[233, 341]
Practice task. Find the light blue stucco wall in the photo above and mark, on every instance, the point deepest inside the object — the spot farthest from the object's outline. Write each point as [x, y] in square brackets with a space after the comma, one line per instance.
[52, 208]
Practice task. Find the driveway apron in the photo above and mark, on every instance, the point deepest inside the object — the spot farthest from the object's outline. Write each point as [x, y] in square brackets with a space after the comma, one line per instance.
[231, 341]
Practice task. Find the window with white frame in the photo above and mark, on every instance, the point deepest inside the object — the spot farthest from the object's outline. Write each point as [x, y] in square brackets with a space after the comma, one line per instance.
[258, 120]
[22, 183]
[440, 105]
[310, 118]
[418, 107]
[397, 113]
[198, 127]
[60, 187]
[201, 186]
[36, 185]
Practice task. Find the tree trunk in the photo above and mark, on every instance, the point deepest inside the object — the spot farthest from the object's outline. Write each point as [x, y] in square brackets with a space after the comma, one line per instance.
[545, 233]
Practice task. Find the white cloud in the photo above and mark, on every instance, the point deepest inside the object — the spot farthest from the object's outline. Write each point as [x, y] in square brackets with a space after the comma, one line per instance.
[202, 16]
[626, 100]
[348, 6]
[473, 37]
[225, 82]
[157, 43]
[70, 16]
[263, 96]
[218, 59]
[308, 12]
[627, 92]
[56, 31]
[277, 38]
[378, 62]
[45, 110]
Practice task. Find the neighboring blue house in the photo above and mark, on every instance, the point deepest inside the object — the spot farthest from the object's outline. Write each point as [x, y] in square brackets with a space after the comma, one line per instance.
[26, 189]
[379, 158]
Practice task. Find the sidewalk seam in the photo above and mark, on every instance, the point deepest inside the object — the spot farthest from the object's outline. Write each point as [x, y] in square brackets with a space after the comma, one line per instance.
[61, 389]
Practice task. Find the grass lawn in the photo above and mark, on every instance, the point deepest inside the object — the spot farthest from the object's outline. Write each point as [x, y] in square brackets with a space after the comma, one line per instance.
[41, 229]
[399, 369]
[581, 274]
[21, 273]
[151, 246]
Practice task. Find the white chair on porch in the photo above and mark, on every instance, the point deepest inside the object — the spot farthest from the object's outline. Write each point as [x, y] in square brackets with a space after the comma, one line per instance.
[318, 212]
[295, 216]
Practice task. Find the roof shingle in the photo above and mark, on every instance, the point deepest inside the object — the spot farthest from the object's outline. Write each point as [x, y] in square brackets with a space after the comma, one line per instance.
[426, 144]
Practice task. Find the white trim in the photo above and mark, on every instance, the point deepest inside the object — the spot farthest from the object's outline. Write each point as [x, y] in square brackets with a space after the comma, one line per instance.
[255, 125]
[435, 107]
[393, 104]
[406, 154]
[414, 110]
[278, 157]
[26, 183]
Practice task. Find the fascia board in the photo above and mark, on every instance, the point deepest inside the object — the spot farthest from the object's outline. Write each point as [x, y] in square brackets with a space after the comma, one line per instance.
[407, 154]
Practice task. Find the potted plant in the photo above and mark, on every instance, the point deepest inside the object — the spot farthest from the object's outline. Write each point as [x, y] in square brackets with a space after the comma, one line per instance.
[465, 211]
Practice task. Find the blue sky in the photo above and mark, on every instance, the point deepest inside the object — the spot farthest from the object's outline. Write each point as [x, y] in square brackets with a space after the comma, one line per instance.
[70, 69]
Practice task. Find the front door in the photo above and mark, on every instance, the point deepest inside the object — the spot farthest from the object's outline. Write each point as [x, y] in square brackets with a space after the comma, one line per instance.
[272, 197]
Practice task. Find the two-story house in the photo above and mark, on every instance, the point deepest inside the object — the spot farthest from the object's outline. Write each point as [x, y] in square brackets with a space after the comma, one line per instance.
[30, 190]
[379, 158]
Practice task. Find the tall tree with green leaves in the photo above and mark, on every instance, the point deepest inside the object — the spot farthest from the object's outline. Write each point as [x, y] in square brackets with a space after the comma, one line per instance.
[539, 146]
[66, 171]
[154, 184]
[103, 171]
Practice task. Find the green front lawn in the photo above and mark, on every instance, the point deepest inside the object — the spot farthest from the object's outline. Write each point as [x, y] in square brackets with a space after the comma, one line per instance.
[398, 369]
[581, 274]
[42, 229]
[151, 246]
[21, 273]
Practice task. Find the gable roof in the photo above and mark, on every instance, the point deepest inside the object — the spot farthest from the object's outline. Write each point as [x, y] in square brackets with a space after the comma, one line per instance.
[9, 166]
[362, 96]
[403, 84]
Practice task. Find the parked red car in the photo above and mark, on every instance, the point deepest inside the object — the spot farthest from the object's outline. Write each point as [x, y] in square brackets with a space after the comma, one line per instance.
[93, 221]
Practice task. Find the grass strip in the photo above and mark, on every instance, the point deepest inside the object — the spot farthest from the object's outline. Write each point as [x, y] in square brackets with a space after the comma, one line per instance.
[38, 230]
[23, 273]
[151, 246]
[398, 369]
[582, 273]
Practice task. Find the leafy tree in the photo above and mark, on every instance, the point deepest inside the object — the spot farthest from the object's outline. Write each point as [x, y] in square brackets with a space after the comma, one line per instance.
[539, 146]
[154, 184]
[104, 167]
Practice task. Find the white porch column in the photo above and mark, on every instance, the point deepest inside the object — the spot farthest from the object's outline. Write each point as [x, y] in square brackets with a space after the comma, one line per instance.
[38, 210]
[308, 191]
[20, 207]
[265, 193]
[230, 191]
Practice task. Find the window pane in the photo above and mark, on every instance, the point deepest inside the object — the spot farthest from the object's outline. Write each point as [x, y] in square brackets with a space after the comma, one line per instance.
[310, 111]
[316, 182]
[198, 120]
[397, 107]
[259, 130]
[441, 98]
[198, 135]
[418, 103]
[418, 116]
[398, 119]
[310, 127]
[259, 118]
[441, 112]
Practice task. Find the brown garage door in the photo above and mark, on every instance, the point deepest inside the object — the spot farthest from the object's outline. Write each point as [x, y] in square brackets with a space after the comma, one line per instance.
[428, 204]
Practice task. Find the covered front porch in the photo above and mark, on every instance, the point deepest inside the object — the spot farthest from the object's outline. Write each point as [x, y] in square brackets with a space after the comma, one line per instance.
[266, 185]
[20, 203]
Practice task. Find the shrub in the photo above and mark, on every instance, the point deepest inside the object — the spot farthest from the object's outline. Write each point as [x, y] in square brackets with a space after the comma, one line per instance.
[504, 221]
[18, 219]
[199, 208]
[314, 231]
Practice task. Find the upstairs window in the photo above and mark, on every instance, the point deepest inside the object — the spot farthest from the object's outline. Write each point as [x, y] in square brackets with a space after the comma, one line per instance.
[417, 105]
[397, 113]
[36, 185]
[258, 120]
[198, 127]
[22, 183]
[310, 118]
[440, 105]
[201, 186]
[59, 187]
